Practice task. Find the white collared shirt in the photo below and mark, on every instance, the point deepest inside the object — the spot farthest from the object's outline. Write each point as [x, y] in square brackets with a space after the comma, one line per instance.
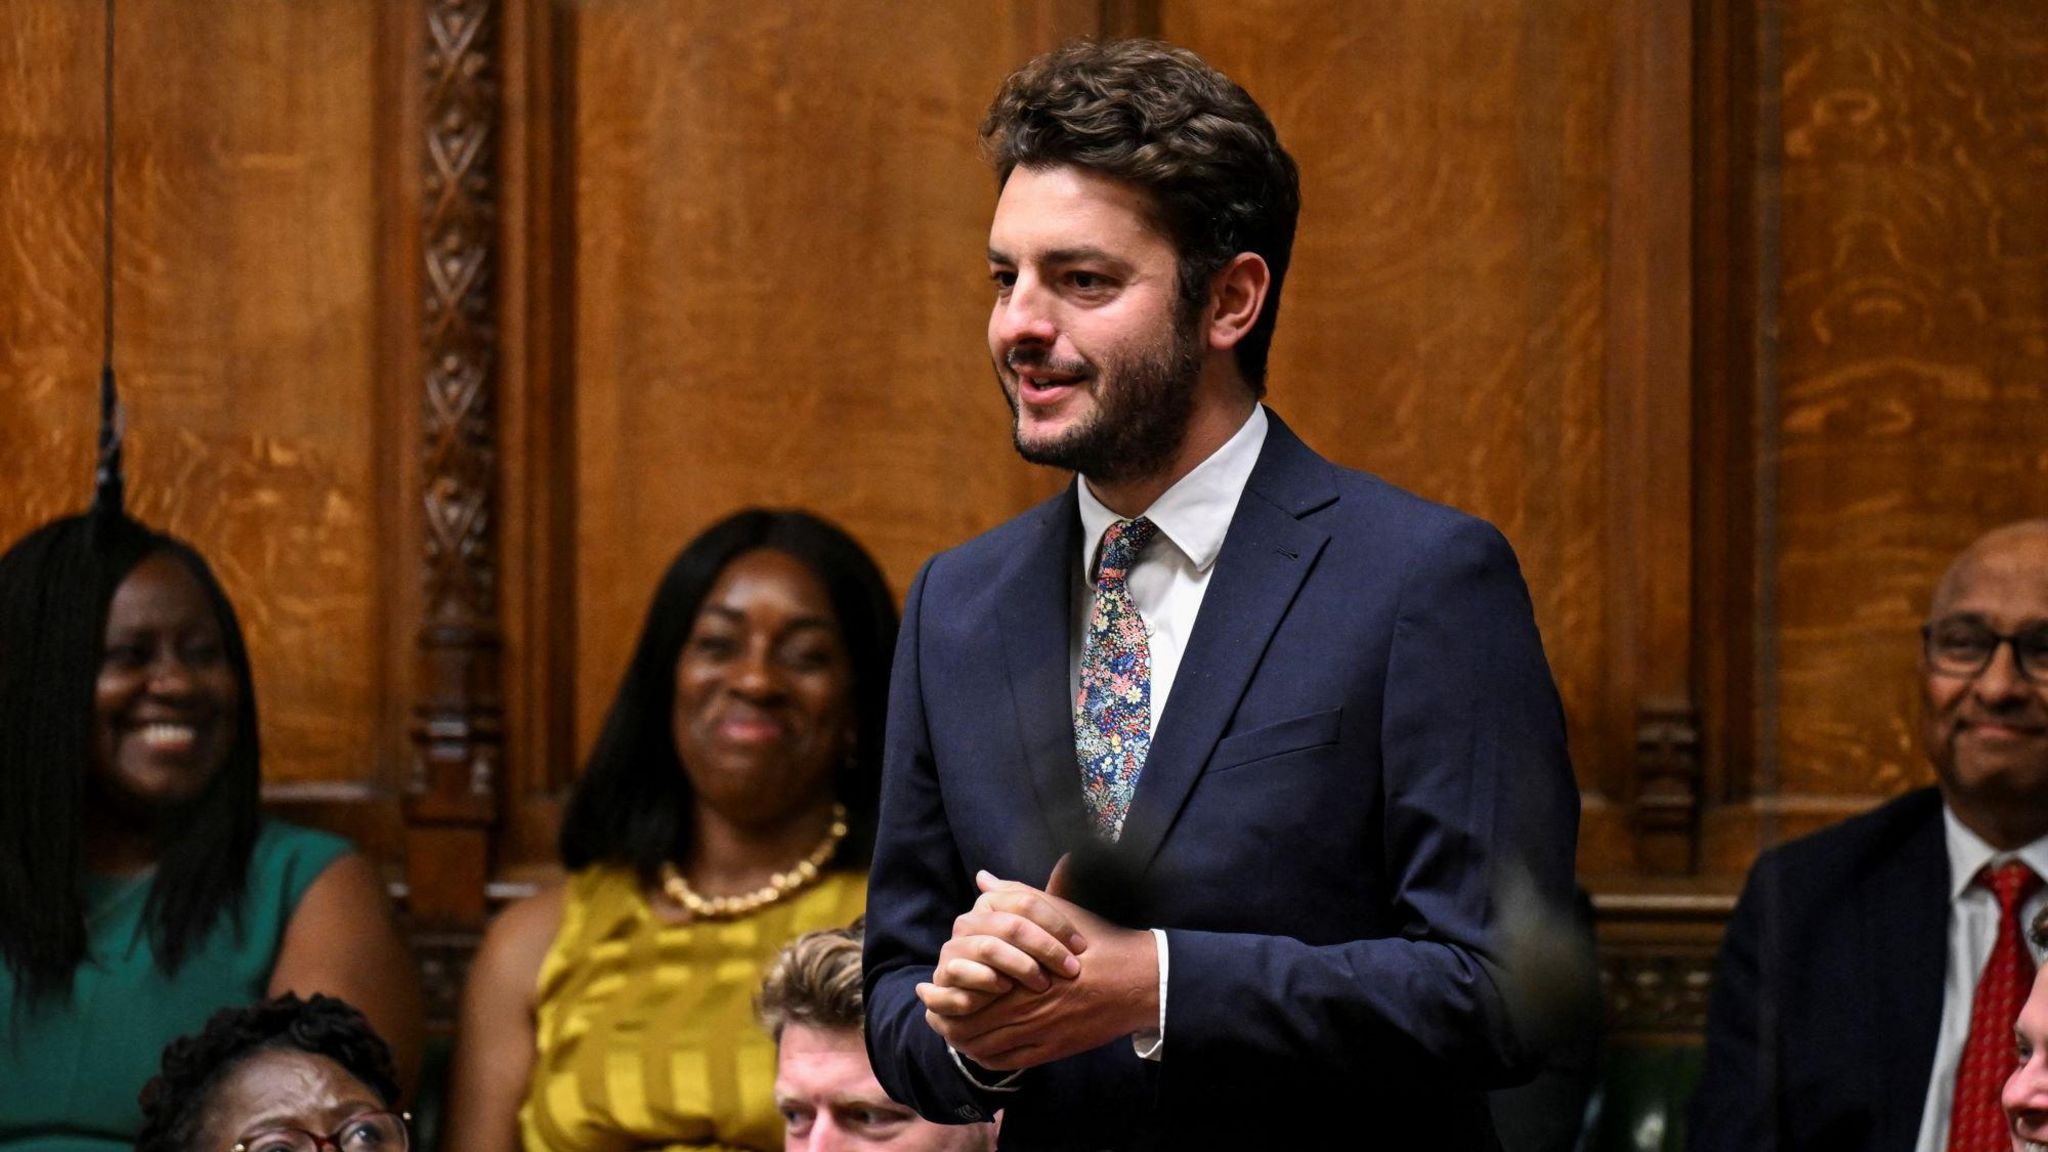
[1170, 578]
[1167, 583]
[1972, 929]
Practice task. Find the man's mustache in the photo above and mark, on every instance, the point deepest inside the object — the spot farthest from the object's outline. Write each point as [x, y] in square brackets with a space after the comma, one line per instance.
[2015, 714]
[1042, 360]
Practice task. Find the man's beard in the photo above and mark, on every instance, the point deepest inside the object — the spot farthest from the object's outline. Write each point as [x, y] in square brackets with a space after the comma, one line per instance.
[1142, 405]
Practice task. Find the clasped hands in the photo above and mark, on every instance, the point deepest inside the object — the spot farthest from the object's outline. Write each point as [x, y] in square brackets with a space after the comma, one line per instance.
[1030, 977]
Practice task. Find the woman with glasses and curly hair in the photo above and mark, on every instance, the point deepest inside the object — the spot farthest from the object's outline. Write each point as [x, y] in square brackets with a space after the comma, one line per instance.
[285, 1075]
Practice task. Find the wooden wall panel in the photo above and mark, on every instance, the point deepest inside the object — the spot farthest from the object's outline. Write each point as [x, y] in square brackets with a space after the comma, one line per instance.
[1446, 322]
[779, 288]
[49, 259]
[248, 269]
[737, 260]
[1913, 389]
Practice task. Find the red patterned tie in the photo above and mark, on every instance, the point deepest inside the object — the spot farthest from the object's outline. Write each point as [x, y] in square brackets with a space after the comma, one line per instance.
[1976, 1122]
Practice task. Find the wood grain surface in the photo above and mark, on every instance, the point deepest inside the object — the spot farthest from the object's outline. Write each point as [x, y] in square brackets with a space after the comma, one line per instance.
[1913, 392]
[741, 263]
[1443, 324]
[247, 263]
[780, 288]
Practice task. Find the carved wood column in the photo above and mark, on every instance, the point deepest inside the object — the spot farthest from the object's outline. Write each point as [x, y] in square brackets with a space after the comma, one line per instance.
[1650, 422]
[452, 797]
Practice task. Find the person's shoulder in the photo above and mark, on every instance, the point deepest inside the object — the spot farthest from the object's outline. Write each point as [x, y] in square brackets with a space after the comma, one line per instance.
[535, 916]
[1391, 510]
[981, 557]
[282, 839]
[517, 941]
[289, 857]
[1846, 852]
[1368, 506]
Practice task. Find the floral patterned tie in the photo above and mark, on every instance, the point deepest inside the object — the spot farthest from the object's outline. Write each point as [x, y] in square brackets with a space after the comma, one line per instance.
[1113, 710]
[1976, 1121]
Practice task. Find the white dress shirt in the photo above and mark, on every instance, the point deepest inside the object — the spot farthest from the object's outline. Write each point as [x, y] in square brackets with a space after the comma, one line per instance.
[1972, 929]
[1168, 580]
[1166, 583]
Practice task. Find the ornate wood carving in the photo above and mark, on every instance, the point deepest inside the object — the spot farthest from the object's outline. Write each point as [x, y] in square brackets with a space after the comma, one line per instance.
[457, 730]
[1656, 994]
[1668, 789]
[444, 959]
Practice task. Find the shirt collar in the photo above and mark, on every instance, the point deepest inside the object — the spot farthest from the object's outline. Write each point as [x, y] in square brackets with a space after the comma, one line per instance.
[1195, 513]
[1968, 854]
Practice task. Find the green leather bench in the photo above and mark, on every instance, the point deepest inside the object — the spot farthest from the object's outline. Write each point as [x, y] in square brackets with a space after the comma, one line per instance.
[1639, 1105]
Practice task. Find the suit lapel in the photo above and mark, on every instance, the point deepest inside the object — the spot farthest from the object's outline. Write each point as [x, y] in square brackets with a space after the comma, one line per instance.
[1036, 609]
[1266, 555]
[1907, 942]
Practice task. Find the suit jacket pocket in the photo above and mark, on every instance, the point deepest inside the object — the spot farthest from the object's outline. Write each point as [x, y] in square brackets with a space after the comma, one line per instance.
[1277, 739]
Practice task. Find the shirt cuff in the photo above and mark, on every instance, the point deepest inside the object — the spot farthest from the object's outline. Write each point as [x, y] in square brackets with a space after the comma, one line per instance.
[1151, 1044]
[1006, 1084]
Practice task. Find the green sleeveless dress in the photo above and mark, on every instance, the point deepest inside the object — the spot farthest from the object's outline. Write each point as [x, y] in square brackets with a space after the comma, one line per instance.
[69, 1074]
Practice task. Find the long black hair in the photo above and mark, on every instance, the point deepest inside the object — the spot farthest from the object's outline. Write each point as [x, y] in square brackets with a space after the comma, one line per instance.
[632, 805]
[174, 1102]
[55, 588]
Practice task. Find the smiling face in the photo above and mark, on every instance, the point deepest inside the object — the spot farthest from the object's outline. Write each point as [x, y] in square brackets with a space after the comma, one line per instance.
[166, 698]
[2026, 1091]
[275, 1089]
[764, 692]
[1987, 734]
[830, 1100]
[1095, 354]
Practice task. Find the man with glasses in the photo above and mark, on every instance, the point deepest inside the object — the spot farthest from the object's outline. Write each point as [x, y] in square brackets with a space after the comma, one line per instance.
[1867, 988]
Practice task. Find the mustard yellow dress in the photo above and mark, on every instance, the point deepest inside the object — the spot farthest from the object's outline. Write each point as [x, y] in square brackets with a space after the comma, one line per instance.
[646, 1030]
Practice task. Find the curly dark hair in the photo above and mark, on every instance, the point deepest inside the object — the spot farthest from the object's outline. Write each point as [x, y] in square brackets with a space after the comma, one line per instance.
[174, 1102]
[1161, 118]
[632, 804]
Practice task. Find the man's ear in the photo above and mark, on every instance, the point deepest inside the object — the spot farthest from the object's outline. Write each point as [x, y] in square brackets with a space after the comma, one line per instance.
[1237, 294]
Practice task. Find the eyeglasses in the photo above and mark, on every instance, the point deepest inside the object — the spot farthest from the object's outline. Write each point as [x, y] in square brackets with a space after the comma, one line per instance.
[363, 1132]
[1964, 647]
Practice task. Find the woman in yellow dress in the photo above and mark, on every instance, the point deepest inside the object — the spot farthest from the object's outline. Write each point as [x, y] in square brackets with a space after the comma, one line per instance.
[727, 808]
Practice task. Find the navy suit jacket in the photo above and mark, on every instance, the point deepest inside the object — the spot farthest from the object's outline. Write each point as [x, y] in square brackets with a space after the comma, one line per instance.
[1827, 996]
[1362, 742]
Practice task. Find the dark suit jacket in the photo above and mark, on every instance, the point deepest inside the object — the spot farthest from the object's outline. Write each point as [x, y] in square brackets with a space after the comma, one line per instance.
[1362, 741]
[1827, 996]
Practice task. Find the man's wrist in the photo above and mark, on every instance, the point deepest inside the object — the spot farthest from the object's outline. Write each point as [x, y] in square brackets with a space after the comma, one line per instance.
[983, 1078]
[1150, 1041]
[1146, 982]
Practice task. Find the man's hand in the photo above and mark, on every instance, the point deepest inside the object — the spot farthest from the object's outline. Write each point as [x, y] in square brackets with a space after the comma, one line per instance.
[1013, 937]
[1009, 996]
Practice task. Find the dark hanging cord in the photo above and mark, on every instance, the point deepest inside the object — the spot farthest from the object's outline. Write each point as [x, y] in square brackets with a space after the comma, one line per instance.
[108, 493]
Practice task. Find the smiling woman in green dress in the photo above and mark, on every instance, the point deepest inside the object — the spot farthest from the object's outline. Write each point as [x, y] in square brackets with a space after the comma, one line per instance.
[141, 886]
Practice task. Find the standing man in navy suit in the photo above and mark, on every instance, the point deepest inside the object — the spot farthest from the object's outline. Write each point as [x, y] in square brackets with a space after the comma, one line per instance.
[1206, 778]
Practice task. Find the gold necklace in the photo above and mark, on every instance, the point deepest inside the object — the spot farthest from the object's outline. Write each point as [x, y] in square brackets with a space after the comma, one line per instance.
[780, 886]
